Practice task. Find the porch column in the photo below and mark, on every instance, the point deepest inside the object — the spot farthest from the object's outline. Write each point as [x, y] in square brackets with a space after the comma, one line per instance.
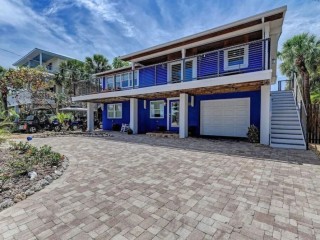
[265, 115]
[90, 117]
[134, 115]
[183, 115]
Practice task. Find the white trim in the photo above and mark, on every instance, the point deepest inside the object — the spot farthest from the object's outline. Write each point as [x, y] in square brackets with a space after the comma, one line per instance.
[161, 101]
[240, 66]
[114, 104]
[223, 27]
[210, 82]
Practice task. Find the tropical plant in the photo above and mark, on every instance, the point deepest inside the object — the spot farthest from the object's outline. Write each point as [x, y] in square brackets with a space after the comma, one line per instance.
[118, 63]
[253, 134]
[97, 63]
[63, 116]
[70, 74]
[301, 54]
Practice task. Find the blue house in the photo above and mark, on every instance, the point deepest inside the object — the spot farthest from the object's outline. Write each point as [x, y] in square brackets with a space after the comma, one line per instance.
[213, 83]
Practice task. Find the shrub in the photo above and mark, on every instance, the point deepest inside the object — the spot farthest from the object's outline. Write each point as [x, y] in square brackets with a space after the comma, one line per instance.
[116, 127]
[130, 131]
[253, 134]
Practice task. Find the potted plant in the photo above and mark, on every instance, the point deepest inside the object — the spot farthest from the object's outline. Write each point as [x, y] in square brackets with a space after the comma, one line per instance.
[130, 131]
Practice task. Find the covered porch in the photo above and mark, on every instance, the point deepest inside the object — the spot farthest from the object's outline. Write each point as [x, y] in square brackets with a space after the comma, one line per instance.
[184, 112]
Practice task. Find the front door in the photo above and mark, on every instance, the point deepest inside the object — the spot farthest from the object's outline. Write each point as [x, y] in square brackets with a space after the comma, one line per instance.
[174, 115]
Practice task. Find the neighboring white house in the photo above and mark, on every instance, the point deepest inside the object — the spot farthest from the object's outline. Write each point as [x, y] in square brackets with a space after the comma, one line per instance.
[37, 57]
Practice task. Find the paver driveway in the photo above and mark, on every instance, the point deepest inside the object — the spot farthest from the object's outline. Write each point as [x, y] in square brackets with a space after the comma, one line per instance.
[129, 187]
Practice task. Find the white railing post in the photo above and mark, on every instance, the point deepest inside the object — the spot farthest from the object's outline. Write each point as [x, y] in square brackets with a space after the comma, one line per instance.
[266, 37]
[183, 54]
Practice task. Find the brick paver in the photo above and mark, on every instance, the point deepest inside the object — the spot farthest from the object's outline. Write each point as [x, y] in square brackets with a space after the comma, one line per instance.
[139, 187]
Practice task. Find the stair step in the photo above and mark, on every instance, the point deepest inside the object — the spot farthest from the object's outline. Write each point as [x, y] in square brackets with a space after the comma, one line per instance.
[285, 131]
[284, 118]
[288, 141]
[285, 127]
[287, 136]
[284, 111]
[285, 123]
[283, 114]
[280, 108]
[279, 145]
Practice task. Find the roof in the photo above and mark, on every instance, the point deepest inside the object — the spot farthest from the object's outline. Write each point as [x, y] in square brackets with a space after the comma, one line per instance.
[246, 22]
[35, 52]
[115, 70]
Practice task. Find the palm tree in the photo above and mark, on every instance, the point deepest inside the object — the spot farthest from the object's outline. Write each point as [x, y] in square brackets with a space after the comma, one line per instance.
[98, 63]
[118, 63]
[301, 54]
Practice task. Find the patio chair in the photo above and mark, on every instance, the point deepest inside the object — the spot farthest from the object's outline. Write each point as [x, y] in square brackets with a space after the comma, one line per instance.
[124, 127]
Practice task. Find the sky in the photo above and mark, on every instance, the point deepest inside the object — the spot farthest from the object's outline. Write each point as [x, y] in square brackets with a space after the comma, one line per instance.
[80, 28]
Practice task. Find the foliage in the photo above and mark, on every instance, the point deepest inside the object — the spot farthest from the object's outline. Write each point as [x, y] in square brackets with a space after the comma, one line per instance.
[63, 116]
[130, 131]
[97, 63]
[301, 54]
[71, 72]
[31, 157]
[32, 80]
[253, 134]
[5, 125]
[118, 63]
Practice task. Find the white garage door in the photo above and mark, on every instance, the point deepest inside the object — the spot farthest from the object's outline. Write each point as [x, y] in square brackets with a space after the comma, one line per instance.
[227, 117]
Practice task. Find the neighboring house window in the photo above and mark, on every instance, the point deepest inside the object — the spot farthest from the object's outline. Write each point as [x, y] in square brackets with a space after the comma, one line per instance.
[115, 110]
[236, 58]
[49, 66]
[157, 109]
[175, 71]
[110, 82]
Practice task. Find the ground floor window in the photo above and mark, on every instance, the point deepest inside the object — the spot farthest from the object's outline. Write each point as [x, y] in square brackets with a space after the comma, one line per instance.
[115, 110]
[157, 109]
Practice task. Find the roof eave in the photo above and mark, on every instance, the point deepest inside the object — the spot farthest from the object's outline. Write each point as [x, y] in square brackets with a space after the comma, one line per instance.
[282, 9]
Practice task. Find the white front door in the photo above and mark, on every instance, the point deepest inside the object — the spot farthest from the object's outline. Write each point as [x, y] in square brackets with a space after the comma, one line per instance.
[174, 113]
[225, 117]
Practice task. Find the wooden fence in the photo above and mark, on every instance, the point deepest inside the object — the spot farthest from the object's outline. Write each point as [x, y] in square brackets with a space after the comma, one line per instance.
[313, 123]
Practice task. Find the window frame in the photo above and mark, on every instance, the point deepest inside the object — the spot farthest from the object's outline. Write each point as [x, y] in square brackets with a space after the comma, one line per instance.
[245, 63]
[114, 110]
[106, 82]
[194, 69]
[150, 112]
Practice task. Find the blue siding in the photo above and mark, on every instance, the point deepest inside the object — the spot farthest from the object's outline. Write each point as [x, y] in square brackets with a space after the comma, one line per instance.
[255, 96]
[147, 77]
[147, 124]
[107, 123]
[161, 74]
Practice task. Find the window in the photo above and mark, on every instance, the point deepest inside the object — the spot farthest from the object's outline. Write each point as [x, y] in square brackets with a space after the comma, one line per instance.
[236, 58]
[49, 66]
[109, 82]
[175, 71]
[118, 81]
[157, 109]
[115, 110]
[124, 80]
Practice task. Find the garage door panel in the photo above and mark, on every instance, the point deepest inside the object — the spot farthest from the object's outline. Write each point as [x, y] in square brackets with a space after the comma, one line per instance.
[227, 117]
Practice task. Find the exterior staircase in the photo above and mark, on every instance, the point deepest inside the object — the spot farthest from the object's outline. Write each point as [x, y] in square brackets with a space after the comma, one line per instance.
[286, 129]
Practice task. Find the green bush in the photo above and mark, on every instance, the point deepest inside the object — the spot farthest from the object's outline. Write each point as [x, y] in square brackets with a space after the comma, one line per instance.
[253, 134]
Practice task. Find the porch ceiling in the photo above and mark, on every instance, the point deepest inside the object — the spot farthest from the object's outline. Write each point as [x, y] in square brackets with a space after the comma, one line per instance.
[238, 87]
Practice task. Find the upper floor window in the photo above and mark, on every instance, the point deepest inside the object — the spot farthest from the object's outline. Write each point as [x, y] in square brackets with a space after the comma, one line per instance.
[125, 80]
[175, 73]
[236, 58]
[157, 109]
[109, 82]
[115, 111]
[49, 66]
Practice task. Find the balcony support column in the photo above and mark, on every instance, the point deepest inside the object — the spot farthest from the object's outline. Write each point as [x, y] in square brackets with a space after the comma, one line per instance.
[90, 117]
[183, 115]
[134, 115]
[265, 115]
[266, 44]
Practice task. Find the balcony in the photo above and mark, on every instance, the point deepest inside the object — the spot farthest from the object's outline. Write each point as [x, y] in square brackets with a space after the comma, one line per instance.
[244, 58]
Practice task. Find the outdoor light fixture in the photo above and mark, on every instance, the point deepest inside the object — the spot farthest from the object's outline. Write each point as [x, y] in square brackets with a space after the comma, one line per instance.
[273, 61]
[191, 101]
[145, 104]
